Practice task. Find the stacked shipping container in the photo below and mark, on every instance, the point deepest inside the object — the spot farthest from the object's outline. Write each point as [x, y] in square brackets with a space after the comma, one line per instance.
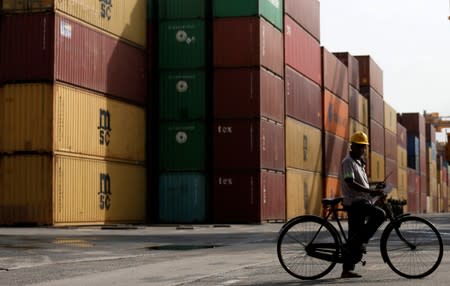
[402, 165]
[432, 190]
[391, 148]
[72, 138]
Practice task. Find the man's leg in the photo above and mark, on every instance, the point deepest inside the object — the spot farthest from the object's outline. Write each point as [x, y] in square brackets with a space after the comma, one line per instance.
[376, 217]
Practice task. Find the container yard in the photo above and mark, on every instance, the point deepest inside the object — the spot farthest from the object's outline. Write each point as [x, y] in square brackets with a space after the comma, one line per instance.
[194, 112]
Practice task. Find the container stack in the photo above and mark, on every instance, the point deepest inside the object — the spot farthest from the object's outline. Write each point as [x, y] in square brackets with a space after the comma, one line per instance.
[442, 176]
[403, 188]
[73, 118]
[183, 126]
[303, 97]
[371, 87]
[415, 126]
[336, 120]
[432, 190]
[248, 139]
[391, 149]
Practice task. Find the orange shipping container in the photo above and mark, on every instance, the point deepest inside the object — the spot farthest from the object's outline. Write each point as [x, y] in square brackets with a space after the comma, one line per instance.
[376, 173]
[125, 19]
[64, 190]
[335, 115]
[46, 118]
[303, 193]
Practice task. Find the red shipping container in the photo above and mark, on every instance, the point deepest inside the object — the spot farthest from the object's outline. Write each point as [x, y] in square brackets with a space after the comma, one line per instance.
[302, 51]
[370, 74]
[306, 13]
[430, 133]
[332, 187]
[303, 98]
[49, 47]
[247, 42]
[413, 200]
[423, 193]
[401, 136]
[376, 104]
[391, 171]
[335, 75]
[245, 144]
[335, 149]
[352, 65]
[248, 93]
[390, 145]
[248, 197]
[335, 115]
[376, 137]
[413, 122]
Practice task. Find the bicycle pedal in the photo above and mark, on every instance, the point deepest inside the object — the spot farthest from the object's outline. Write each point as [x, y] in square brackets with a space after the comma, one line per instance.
[363, 262]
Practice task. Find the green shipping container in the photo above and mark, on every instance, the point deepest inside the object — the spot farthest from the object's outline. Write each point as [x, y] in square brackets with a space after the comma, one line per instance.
[182, 44]
[149, 9]
[272, 10]
[182, 198]
[182, 95]
[182, 146]
[182, 9]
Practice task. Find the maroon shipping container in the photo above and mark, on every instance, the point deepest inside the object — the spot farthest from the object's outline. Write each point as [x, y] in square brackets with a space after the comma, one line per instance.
[303, 98]
[376, 104]
[413, 122]
[390, 145]
[302, 51]
[422, 154]
[401, 136]
[352, 65]
[370, 74]
[49, 47]
[423, 193]
[248, 93]
[306, 13]
[335, 75]
[430, 133]
[391, 171]
[244, 144]
[248, 197]
[247, 42]
[335, 149]
[376, 137]
[413, 191]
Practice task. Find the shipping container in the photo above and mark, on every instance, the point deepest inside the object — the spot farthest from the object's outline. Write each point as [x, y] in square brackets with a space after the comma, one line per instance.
[183, 197]
[376, 104]
[40, 117]
[182, 146]
[335, 115]
[402, 157]
[182, 95]
[247, 42]
[377, 167]
[335, 149]
[124, 19]
[335, 75]
[248, 93]
[182, 44]
[271, 10]
[430, 133]
[376, 137]
[303, 98]
[402, 136]
[413, 200]
[390, 145]
[355, 126]
[50, 47]
[391, 171]
[352, 65]
[47, 190]
[332, 187]
[390, 118]
[423, 192]
[302, 51]
[402, 183]
[358, 106]
[243, 144]
[370, 74]
[249, 197]
[413, 122]
[182, 9]
[303, 193]
[306, 13]
[303, 146]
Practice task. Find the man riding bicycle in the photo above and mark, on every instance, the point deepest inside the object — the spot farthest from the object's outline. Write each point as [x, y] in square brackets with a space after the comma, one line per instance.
[364, 217]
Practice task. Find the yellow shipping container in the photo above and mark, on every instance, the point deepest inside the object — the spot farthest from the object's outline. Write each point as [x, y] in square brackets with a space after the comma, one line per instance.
[376, 167]
[65, 190]
[402, 160]
[303, 146]
[364, 110]
[402, 183]
[303, 193]
[390, 118]
[125, 19]
[47, 118]
[355, 126]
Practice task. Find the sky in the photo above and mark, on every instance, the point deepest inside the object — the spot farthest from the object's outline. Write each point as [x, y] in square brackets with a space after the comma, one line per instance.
[408, 39]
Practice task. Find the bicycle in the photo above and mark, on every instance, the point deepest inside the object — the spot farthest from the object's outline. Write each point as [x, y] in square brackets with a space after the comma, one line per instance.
[309, 246]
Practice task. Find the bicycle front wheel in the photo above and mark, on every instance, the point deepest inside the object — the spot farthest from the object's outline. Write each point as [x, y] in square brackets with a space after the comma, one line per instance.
[296, 236]
[412, 247]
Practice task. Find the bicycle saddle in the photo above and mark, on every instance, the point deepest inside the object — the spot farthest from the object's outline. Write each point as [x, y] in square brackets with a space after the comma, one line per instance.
[332, 201]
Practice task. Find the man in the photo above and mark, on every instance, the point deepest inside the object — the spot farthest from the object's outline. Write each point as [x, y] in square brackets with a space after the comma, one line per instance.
[364, 217]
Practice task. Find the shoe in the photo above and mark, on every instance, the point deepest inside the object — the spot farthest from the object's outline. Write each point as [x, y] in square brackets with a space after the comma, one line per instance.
[349, 274]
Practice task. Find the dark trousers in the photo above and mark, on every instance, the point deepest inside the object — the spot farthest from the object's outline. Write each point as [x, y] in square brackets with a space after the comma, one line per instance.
[363, 221]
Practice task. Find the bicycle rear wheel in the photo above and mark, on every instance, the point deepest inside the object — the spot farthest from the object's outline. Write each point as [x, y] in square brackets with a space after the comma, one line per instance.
[412, 247]
[296, 236]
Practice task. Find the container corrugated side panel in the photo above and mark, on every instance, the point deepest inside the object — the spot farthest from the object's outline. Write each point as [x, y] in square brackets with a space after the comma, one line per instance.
[182, 95]
[182, 9]
[26, 190]
[401, 135]
[402, 183]
[332, 187]
[335, 149]
[353, 67]
[303, 146]
[91, 124]
[377, 167]
[335, 75]
[390, 118]
[370, 74]
[273, 193]
[182, 197]
[376, 137]
[306, 13]
[402, 157]
[108, 192]
[390, 144]
[391, 171]
[355, 126]
[303, 193]
[26, 118]
[335, 115]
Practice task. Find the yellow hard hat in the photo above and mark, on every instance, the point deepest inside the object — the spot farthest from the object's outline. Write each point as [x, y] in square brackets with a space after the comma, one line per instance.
[359, 137]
